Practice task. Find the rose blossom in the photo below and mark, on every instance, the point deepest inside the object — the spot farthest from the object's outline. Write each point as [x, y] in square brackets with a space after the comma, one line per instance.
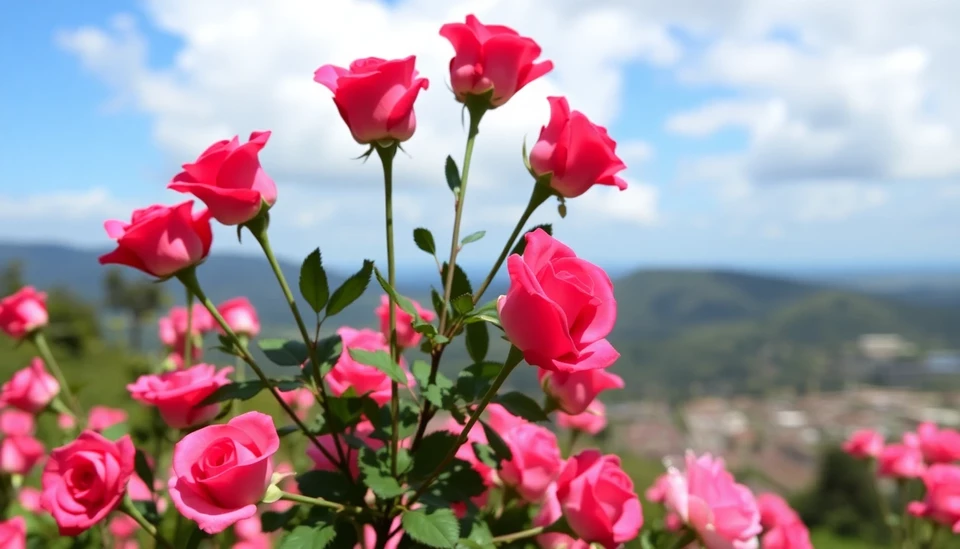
[559, 308]
[161, 240]
[85, 480]
[19, 453]
[775, 511]
[228, 178]
[23, 312]
[901, 460]
[942, 500]
[240, 316]
[14, 422]
[938, 445]
[500, 419]
[535, 461]
[29, 499]
[177, 394]
[708, 499]
[362, 431]
[793, 535]
[173, 327]
[576, 151]
[375, 97]
[574, 391]
[300, 399]
[30, 389]
[122, 526]
[102, 418]
[598, 499]
[491, 57]
[221, 472]
[466, 452]
[407, 337]
[13, 533]
[591, 421]
[863, 444]
[347, 372]
[551, 512]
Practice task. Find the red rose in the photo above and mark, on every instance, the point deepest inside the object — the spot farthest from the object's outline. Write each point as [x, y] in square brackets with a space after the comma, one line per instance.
[491, 57]
[228, 178]
[576, 151]
[375, 97]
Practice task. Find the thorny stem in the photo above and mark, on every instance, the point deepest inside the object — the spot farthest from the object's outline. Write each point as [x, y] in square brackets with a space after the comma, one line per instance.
[188, 341]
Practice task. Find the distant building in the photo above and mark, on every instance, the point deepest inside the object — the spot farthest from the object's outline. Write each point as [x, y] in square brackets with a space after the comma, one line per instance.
[884, 347]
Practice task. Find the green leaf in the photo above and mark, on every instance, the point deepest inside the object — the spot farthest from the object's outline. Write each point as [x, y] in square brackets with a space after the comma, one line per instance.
[522, 244]
[434, 527]
[463, 304]
[473, 237]
[474, 380]
[309, 537]
[380, 360]
[376, 474]
[496, 442]
[431, 453]
[405, 304]
[313, 281]
[142, 467]
[461, 284]
[485, 454]
[345, 412]
[329, 485]
[197, 536]
[452, 173]
[115, 432]
[458, 482]
[351, 289]
[437, 300]
[271, 521]
[476, 532]
[329, 350]
[521, 405]
[423, 238]
[284, 352]
[477, 341]
[245, 390]
[148, 509]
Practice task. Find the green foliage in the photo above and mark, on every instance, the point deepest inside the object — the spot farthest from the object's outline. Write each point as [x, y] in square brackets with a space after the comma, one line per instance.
[432, 527]
[351, 289]
[313, 282]
[452, 174]
[423, 238]
[284, 352]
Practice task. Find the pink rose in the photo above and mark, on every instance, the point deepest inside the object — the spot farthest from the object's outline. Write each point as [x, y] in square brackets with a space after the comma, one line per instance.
[103, 417]
[657, 492]
[23, 312]
[406, 336]
[250, 534]
[500, 419]
[14, 422]
[66, 422]
[222, 471]
[465, 451]
[228, 178]
[592, 421]
[863, 444]
[122, 526]
[19, 453]
[902, 460]
[708, 499]
[576, 151]
[574, 391]
[942, 500]
[535, 461]
[161, 240]
[775, 511]
[301, 400]
[347, 373]
[550, 512]
[491, 57]
[370, 536]
[13, 533]
[559, 308]
[240, 316]
[29, 499]
[938, 446]
[598, 499]
[30, 389]
[177, 394]
[362, 431]
[375, 97]
[793, 535]
[85, 480]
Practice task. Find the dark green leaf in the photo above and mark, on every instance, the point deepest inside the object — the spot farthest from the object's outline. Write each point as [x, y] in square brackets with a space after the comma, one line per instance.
[329, 485]
[309, 537]
[271, 521]
[424, 240]
[473, 237]
[405, 304]
[226, 344]
[313, 281]
[114, 432]
[406, 423]
[521, 405]
[496, 442]
[433, 527]
[351, 289]
[437, 300]
[463, 304]
[245, 390]
[148, 509]
[284, 352]
[143, 469]
[346, 536]
[461, 284]
[345, 412]
[477, 532]
[458, 482]
[485, 454]
[522, 244]
[376, 474]
[474, 380]
[329, 350]
[477, 341]
[196, 537]
[431, 453]
[452, 173]
[380, 360]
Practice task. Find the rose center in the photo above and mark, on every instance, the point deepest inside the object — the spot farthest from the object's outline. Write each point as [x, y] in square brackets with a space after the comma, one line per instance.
[219, 456]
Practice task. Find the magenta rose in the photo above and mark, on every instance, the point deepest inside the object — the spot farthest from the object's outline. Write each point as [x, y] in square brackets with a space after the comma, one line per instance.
[500, 419]
[863, 444]
[559, 308]
[535, 461]
[13, 533]
[240, 316]
[85, 480]
[550, 512]
[406, 336]
[23, 312]
[707, 499]
[177, 394]
[590, 421]
[903, 460]
[942, 500]
[775, 511]
[221, 472]
[574, 391]
[938, 445]
[598, 499]
[365, 380]
[19, 453]
[29, 498]
[375, 97]
[102, 418]
[30, 389]
[793, 535]
[228, 178]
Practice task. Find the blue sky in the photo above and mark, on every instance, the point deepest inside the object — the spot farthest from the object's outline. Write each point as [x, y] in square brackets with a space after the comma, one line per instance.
[756, 135]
